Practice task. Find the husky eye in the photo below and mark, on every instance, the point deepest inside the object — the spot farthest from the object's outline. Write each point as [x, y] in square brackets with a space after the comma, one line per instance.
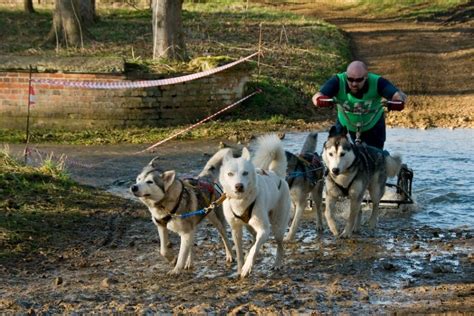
[230, 174]
[149, 182]
[330, 154]
[245, 173]
[343, 154]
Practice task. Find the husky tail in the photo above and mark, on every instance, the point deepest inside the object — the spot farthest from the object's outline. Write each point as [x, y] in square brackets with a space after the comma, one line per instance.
[310, 143]
[393, 165]
[270, 154]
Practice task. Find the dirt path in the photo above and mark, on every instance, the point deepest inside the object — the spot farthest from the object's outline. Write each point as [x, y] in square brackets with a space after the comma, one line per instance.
[432, 60]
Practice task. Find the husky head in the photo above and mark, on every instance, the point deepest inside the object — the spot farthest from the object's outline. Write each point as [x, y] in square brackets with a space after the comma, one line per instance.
[152, 183]
[338, 154]
[213, 165]
[237, 175]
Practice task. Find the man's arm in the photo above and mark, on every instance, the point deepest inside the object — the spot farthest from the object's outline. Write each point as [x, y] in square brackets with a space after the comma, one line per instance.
[387, 90]
[327, 91]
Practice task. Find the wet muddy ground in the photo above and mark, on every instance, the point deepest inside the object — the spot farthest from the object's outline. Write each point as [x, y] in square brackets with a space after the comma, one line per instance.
[402, 266]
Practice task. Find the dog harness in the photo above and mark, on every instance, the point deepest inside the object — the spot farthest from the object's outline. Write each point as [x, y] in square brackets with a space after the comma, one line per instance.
[307, 165]
[245, 217]
[247, 214]
[165, 220]
[200, 188]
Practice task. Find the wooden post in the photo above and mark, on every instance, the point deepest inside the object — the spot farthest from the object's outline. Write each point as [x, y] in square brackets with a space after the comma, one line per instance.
[27, 140]
[259, 48]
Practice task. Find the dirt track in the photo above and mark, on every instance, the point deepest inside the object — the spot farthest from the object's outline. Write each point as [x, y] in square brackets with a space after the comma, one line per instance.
[432, 60]
[398, 268]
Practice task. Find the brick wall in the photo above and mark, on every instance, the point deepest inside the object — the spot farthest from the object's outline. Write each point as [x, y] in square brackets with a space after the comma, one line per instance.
[74, 108]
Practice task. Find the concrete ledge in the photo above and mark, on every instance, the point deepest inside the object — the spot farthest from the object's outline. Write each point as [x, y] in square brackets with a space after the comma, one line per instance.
[109, 65]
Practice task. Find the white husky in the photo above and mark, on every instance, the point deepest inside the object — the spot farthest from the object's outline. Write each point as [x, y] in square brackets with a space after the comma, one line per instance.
[258, 196]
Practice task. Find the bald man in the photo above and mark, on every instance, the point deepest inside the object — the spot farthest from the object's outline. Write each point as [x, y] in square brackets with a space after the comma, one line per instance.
[357, 88]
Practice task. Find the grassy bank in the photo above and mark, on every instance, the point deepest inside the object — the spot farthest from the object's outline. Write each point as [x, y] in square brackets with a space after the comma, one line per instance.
[42, 209]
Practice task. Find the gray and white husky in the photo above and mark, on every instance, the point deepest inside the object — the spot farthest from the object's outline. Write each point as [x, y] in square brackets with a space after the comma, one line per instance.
[258, 196]
[352, 169]
[305, 174]
[168, 198]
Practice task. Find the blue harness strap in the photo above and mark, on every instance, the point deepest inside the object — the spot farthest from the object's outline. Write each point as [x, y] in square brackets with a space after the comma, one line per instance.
[193, 213]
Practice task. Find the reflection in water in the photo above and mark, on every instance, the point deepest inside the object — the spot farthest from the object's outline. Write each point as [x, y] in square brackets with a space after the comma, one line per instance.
[441, 159]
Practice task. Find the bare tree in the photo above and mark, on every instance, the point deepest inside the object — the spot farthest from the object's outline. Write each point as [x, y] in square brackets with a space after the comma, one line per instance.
[168, 37]
[28, 6]
[88, 14]
[67, 26]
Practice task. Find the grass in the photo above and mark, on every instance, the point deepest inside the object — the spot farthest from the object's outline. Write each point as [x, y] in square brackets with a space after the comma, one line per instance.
[238, 129]
[299, 55]
[41, 209]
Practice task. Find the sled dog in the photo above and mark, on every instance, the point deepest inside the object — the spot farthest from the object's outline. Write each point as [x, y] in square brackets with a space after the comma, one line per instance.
[352, 169]
[305, 176]
[168, 198]
[258, 196]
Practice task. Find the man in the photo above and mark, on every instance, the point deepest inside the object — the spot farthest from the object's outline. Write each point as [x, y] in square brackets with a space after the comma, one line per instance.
[361, 91]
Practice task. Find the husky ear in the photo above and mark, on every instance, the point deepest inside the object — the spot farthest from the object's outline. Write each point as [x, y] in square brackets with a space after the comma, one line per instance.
[337, 131]
[227, 154]
[168, 178]
[344, 131]
[154, 162]
[245, 153]
[333, 131]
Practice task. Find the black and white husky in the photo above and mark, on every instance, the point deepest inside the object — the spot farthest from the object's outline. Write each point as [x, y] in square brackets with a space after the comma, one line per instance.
[258, 196]
[305, 177]
[353, 169]
[169, 199]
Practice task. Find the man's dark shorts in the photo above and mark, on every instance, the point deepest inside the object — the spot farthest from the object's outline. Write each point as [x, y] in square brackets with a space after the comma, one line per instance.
[374, 137]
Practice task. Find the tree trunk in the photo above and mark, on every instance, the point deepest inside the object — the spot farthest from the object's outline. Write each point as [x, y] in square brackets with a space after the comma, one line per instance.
[28, 6]
[168, 37]
[88, 14]
[67, 28]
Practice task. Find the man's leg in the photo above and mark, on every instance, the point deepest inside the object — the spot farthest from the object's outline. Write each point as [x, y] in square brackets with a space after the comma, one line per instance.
[376, 136]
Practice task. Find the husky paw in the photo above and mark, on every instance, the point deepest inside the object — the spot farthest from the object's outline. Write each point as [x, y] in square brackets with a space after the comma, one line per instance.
[170, 257]
[346, 234]
[175, 271]
[246, 269]
[276, 267]
[289, 239]
[319, 227]
[228, 258]
[335, 232]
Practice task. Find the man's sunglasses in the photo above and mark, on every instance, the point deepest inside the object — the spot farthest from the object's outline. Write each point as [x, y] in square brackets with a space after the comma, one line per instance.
[355, 79]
